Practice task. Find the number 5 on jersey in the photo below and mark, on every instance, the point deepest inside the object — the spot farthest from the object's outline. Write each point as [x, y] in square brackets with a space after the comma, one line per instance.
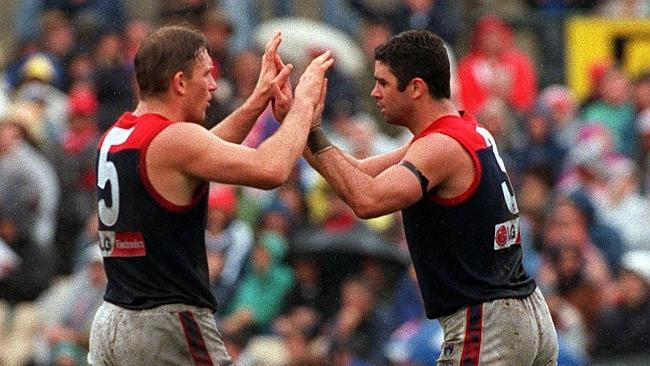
[106, 173]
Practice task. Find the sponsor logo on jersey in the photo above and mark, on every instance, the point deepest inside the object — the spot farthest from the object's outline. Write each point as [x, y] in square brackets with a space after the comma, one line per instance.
[507, 234]
[121, 244]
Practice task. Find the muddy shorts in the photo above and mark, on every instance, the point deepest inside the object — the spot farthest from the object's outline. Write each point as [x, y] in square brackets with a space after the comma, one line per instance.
[501, 332]
[173, 334]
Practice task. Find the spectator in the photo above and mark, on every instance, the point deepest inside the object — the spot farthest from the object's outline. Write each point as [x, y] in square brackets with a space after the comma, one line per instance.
[626, 208]
[355, 331]
[614, 109]
[91, 18]
[81, 69]
[55, 40]
[304, 303]
[67, 310]
[606, 238]
[573, 284]
[534, 191]
[33, 272]
[29, 187]
[38, 75]
[643, 159]
[136, 30]
[112, 79]
[441, 17]
[407, 300]
[229, 241]
[373, 32]
[218, 30]
[246, 15]
[641, 92]
[495, 67]
[622, 9]
[585, 168]
[538, 145]
[74, 161]
[623, 331]
[563, 113]
[258, 297]
[572, 265]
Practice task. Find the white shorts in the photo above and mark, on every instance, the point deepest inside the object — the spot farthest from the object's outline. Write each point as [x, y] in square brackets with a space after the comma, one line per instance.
[501, 332]
[173, 334]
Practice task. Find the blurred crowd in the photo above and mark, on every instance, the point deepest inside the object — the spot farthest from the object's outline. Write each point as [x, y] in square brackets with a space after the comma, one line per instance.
[299, 279]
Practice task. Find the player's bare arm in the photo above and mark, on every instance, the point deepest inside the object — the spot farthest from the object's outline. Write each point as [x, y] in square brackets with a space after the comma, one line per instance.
[397, 186]
[372, 165]
[273, 77]
[184, 153]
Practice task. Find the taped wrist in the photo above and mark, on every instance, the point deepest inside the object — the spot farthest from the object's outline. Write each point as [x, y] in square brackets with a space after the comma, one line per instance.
[317, 141]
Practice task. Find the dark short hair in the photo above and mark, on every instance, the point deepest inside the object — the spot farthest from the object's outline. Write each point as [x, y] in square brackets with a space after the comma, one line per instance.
[162, 54]
[418, 53]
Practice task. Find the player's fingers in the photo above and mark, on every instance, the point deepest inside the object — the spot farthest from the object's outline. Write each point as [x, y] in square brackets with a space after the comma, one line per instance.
[280, 97]
[321, 101]
[326, 65]
[286, 88]
[324, 56]
[272, 46]
[273, 41]
[283, 75]
[323, 91]
[278, 62]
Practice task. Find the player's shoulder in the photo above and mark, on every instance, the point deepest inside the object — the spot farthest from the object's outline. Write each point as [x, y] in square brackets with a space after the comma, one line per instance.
[437, 143]
[184, 131]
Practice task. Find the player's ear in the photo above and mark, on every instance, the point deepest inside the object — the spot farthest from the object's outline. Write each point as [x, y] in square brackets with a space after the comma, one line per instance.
[178, 83]
[418, 88]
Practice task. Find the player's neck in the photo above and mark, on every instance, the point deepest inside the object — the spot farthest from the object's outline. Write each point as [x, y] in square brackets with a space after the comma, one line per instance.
[159, 106]
[430, 111]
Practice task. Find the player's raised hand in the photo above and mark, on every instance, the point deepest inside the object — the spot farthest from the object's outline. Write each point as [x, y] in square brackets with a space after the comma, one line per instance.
[320, 106]
[282, 98]
[311, 82]
[272, 74]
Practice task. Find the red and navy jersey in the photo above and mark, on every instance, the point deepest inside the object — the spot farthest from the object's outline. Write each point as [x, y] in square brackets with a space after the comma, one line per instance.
[467, 249]
[154, 251]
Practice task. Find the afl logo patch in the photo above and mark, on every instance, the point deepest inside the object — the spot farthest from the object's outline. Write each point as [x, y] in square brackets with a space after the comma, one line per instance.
[501, 236]
[448, 350]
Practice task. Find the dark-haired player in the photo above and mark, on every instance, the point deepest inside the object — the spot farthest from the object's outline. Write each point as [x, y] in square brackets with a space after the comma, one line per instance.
[458, 206]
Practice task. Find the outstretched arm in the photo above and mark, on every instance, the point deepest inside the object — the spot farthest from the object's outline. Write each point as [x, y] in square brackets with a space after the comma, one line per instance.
[369, 196]
[372, 165]
[273, 77]
[199, 154]
[380, 185]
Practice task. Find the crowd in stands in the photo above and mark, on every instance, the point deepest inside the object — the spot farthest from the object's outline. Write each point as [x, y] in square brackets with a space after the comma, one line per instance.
[299, 279]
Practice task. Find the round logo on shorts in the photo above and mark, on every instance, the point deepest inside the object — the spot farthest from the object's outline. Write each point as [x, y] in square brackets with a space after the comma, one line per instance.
[501, 236]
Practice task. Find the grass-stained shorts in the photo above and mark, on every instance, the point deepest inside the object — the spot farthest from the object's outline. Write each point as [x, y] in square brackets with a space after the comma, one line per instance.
[174, 334]
[503, 332]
